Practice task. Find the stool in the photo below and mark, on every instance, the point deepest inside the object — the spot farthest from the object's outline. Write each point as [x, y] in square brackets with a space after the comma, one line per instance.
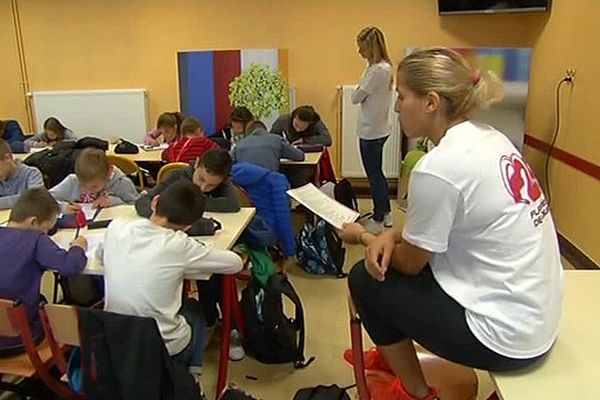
[231, 306]
[454, 381]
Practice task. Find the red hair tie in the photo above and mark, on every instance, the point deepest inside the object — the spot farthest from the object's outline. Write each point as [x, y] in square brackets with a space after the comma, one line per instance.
[475, 77]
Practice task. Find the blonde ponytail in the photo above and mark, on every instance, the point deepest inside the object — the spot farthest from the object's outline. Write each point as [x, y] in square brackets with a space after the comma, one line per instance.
[447, 73]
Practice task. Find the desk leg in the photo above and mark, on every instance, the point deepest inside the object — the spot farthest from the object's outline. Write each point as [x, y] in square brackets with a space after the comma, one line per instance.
[228, 282]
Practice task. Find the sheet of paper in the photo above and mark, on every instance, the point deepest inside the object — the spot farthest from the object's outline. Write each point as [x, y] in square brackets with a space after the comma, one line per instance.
[94, 240]
[324, 206]
[148, 147]
[88, 211]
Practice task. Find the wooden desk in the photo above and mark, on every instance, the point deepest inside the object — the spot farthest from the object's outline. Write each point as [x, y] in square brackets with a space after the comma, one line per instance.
[233, 224]
[4, 214]
[311, 159]
[142, 156]
[572, 366]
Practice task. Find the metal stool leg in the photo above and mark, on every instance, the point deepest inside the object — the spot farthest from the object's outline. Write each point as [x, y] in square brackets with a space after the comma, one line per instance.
[228, 293]
[357, 352]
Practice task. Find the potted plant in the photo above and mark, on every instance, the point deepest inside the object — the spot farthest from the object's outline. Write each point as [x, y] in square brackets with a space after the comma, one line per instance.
[261, 89]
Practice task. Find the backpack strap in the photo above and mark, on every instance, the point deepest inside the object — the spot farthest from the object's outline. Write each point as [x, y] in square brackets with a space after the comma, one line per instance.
[285, 288]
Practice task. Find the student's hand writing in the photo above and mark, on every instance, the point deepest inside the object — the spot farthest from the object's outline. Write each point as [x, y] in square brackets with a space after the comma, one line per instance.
[101, 202]
[40, 144]
[378, 255]
[80, 241]
[350, 232]
[298, 141]
[159, 140]
[72, 208]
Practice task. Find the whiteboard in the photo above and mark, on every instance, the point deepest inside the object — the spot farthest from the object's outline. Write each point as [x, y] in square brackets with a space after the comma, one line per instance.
[107, 114]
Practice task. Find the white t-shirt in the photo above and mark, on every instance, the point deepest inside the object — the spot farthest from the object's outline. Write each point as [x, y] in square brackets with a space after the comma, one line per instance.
[144, 266]
[478, 207]
[374, 94]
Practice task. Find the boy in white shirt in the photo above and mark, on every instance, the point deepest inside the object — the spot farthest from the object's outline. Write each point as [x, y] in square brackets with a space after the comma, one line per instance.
[146, 260]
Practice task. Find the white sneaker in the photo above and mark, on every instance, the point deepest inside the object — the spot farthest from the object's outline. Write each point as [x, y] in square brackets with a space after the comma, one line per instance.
[236, 350]
[372, 226]
[388, 221]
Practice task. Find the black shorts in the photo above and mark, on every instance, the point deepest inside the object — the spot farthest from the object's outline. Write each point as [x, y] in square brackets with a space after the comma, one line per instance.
[415, 307]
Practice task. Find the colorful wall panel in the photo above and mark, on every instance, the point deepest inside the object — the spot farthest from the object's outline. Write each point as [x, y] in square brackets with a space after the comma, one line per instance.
[204, 78]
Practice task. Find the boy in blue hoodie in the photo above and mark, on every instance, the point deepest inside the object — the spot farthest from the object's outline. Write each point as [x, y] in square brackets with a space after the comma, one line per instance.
[12, 133]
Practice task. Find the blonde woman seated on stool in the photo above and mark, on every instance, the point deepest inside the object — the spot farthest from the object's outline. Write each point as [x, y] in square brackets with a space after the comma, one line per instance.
[475, 275]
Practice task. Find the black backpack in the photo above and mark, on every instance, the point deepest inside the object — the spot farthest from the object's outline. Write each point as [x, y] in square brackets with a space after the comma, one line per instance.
[270, 336]
[321, 392]
[58, 162]
[344, 193]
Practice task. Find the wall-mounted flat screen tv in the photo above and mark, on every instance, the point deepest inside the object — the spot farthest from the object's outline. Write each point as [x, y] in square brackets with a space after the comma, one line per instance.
[491, 6]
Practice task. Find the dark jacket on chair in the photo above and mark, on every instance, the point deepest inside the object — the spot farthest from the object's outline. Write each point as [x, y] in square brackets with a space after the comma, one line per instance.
[267, 190]
[124, 357]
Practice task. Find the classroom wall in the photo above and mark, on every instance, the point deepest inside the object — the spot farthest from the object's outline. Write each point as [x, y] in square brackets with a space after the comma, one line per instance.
[12, 103]
[569, 39]
[96, 44]
[100, 44]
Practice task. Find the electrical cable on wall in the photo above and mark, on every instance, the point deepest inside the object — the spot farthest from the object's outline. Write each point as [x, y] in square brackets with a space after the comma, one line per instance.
[568, 80]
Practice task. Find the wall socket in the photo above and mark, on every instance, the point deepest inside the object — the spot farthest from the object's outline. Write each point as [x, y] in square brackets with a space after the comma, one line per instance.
[570, 75]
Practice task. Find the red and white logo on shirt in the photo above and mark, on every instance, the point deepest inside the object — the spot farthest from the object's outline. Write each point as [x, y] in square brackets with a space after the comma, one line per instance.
[519, 180]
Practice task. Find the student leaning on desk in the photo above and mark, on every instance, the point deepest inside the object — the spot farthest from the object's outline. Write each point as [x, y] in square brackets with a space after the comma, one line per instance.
[156, 254]
[95, 181]
[27, 251]
[264, 149]
[211, 174]
[303, 125]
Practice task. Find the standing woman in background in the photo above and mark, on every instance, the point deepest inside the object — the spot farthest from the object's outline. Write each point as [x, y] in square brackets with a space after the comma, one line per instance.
[374, 94]
[54, 132]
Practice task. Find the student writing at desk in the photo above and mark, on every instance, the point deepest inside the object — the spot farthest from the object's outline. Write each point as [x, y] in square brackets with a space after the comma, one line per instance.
[95, 181]
[155, 254]
[27, 251]
[303, 125]
[166, 131]
[211, 174]
[264, 149]
[54, 132]
[239, 119]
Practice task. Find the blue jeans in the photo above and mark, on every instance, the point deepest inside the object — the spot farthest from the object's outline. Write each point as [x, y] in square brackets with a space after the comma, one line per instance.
[193, 355]
[371, 153]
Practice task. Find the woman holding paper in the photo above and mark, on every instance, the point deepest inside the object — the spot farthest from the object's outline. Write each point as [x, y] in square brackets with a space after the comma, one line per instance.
[475, 274]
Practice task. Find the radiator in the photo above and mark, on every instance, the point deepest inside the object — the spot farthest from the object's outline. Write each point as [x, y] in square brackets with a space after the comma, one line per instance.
[107, 114]
[350, 154]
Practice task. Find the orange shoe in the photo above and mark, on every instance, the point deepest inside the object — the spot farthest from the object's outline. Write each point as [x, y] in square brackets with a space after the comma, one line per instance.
[372, 359]
[390, 388]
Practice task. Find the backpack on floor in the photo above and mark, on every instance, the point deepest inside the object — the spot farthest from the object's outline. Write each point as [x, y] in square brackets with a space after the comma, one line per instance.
[271, 337]
[233, 393]
[322, 392]
[319, 249]
[344, 193]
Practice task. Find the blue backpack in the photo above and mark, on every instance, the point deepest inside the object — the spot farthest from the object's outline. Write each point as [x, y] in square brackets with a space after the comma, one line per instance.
[319, 250]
